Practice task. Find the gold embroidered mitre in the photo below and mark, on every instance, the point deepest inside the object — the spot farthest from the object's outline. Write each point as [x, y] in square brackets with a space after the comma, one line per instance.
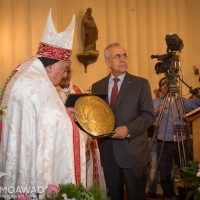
[57, 45]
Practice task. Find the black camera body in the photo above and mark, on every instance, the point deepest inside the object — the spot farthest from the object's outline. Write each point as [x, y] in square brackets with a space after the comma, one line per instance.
[169, 63]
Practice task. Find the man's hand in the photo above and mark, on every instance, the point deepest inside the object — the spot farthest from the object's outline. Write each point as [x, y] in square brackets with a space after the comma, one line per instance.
[160, 109]
[154, 124]
[120, 132]
[72, 113]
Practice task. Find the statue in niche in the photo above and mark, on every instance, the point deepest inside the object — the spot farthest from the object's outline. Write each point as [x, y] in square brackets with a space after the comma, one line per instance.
[90, 32]
[90, 36]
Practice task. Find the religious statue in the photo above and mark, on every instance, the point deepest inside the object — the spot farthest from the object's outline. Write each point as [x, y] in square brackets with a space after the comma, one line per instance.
[90, 36]
[90, 31]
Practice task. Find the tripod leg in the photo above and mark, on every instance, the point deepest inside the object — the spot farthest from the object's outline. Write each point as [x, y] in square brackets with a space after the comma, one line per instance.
[153, 149]
[157, 125]
[183, 145]
[179, 129]
[183, 132]
[179, 152]
[189, 144]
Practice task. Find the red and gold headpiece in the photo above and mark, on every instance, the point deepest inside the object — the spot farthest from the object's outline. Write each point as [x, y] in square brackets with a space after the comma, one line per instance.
[56, 45]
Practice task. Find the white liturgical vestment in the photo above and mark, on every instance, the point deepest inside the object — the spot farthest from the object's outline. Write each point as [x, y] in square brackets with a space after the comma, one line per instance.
[94, 170]
[37, 134]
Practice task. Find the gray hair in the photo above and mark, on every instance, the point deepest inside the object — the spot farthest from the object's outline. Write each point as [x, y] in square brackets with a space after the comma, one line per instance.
[106, 52]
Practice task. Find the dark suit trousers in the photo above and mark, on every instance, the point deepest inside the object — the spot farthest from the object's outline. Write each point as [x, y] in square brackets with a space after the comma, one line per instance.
[170, 153]
[134, 180]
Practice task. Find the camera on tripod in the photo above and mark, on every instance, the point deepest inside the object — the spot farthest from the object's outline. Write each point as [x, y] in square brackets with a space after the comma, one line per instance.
[169, 63]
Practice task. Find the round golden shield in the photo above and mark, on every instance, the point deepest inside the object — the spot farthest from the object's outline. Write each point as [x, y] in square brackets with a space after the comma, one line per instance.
[94, 115]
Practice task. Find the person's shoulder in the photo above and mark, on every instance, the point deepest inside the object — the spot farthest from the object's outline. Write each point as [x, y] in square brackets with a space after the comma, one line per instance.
[185, 98]
[156, 102]
[136, 78]
[157, 99]
[101, 80]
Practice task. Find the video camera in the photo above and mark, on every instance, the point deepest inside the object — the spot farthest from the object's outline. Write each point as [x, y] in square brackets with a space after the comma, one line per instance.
[169, 63]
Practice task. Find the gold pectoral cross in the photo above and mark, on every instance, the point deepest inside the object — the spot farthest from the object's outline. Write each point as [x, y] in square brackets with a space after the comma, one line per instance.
[3, 111]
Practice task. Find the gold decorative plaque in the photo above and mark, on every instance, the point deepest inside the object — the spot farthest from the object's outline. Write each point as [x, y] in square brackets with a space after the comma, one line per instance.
[94, 116]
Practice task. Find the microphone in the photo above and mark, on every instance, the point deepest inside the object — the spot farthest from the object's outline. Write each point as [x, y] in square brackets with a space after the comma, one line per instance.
[162, 57]
[154, 56]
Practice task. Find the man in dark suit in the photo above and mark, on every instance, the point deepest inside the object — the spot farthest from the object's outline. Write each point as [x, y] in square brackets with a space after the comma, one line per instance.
[125, 155]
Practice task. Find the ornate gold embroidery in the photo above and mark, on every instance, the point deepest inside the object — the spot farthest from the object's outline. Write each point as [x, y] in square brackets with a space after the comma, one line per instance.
[3, 111]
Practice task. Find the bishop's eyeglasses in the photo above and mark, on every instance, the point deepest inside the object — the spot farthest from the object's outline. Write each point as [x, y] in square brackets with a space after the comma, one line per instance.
[120, 56]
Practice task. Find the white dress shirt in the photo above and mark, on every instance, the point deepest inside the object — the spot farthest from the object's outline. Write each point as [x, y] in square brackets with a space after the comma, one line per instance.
[111, 83]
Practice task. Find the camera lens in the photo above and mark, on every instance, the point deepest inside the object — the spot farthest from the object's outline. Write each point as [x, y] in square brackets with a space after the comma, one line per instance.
[160, 67]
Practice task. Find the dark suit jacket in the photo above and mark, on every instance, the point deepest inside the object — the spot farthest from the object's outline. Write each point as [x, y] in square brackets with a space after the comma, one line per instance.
[134, 109]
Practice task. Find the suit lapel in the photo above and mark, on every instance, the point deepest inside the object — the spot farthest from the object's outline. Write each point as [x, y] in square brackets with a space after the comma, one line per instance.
[124, 87]
[105, 87]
